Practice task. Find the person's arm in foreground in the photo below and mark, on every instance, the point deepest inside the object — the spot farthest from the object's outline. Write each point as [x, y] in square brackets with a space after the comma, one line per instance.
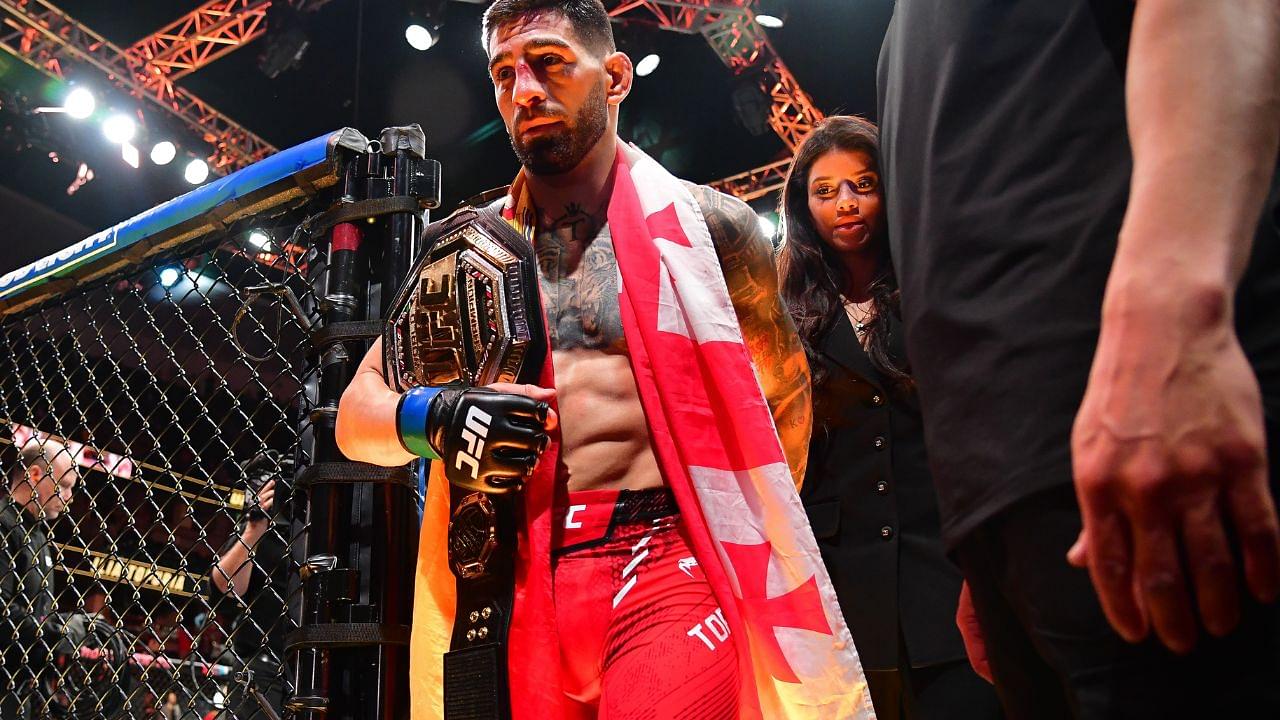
[234, 570]
[1168, 448]
[516, 417]
[366, 428]
[746, 257]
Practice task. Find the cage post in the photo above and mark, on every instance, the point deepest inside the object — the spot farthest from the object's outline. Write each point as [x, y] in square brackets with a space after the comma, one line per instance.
[360, 544]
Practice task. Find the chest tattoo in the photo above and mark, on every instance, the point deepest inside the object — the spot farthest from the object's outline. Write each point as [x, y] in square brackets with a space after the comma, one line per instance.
[578, 276]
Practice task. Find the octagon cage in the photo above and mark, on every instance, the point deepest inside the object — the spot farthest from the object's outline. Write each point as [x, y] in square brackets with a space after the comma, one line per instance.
[181, 536]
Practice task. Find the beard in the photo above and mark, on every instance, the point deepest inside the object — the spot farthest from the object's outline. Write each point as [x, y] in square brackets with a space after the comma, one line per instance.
[560, 152]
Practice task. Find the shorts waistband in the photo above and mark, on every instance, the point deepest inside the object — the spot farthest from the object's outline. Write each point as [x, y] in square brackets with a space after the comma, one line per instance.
[590, 516]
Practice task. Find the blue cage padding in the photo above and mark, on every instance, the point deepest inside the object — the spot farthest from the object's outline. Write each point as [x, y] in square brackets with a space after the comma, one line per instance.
[190, 218]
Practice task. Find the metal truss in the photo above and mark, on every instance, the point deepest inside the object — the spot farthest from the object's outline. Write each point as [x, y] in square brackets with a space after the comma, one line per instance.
[731, 29]
[198, 38]
[755, 183]
[201, 36]
[46, 38]
[684, 16]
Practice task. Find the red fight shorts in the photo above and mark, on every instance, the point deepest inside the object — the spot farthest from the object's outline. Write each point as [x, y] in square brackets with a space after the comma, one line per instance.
[641, 634]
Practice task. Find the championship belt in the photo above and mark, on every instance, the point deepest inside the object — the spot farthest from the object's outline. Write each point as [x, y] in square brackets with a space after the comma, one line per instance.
[469, 314]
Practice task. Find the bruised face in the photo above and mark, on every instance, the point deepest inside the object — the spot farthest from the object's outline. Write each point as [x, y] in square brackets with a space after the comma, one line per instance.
[550, 90]
[845, 200]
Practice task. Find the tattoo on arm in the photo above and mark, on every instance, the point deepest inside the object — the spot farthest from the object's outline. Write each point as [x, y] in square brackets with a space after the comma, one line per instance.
[746, 257]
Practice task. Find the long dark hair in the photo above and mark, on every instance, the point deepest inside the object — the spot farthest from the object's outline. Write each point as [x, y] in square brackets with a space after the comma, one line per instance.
[811, 273]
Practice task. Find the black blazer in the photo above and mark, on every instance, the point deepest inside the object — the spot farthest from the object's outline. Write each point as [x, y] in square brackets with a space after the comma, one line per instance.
[870, 500]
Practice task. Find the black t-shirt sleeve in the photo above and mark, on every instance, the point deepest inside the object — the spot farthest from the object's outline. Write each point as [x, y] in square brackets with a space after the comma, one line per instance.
[18, 627]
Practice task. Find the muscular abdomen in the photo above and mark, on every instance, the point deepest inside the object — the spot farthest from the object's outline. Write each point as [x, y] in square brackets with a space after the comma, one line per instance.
[604, 436]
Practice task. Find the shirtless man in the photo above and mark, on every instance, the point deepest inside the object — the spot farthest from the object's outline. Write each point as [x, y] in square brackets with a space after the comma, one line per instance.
[558, 82]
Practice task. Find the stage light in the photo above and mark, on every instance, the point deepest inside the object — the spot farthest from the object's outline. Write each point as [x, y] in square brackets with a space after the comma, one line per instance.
[420, 38]
[163, 152]
[286, 42]
[771, 13]
[130, 155]
[647, 64]
[169, 276]
[259, 239]
[767, 225]
[119, 128]
[197, 171]
[426, 17]
[79, 103]
[753, 105]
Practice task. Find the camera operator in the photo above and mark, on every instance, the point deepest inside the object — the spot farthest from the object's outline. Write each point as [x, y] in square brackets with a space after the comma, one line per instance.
[252, 576]
[40, 488]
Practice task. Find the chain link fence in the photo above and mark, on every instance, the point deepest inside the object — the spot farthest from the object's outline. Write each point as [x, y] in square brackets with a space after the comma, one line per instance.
[179, 535]
[172, 397]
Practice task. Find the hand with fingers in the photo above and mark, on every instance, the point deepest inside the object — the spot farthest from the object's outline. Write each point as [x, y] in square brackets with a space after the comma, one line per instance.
[1169, 456]
[488, 438]
[266, 499]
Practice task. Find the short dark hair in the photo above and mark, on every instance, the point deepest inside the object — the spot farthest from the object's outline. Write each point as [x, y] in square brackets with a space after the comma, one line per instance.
[589, 19]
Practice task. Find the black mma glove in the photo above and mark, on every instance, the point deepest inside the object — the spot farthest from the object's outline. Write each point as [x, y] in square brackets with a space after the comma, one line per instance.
[488, 441]
[67, 632]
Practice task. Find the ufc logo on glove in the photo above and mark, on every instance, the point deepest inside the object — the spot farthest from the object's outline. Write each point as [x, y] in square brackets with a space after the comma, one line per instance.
[475, 431]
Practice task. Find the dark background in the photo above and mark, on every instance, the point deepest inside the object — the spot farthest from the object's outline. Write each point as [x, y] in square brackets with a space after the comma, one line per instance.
[682, 114]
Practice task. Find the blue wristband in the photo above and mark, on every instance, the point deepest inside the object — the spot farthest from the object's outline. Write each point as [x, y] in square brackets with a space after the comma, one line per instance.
[411, 421]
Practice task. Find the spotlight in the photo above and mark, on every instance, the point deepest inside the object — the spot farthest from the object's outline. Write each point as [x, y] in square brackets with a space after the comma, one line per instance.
[197, 171]
[119, 128]
[420, 37]
[426, 17]
[259, 239]
[79, 103]
[752, 103]
[163, 152]
[287, 40]
[169, 276]
[771, 13]
[648, 64]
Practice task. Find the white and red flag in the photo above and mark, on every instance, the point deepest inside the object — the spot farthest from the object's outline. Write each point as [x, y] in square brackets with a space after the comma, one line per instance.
[715, 440]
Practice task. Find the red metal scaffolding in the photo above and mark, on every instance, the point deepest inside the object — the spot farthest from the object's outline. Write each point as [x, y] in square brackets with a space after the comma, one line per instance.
[198, 38]
[203, 35]
[45, 37]
[755, 183]
[731, 29]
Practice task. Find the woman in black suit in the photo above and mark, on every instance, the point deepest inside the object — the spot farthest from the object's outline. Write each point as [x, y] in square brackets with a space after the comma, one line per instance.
[868, 492]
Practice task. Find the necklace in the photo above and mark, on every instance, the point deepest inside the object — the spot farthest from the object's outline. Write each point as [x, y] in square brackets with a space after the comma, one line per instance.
[860, 314]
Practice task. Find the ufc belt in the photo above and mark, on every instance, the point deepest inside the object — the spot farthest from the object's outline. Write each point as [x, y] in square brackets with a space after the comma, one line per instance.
[469, 314]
